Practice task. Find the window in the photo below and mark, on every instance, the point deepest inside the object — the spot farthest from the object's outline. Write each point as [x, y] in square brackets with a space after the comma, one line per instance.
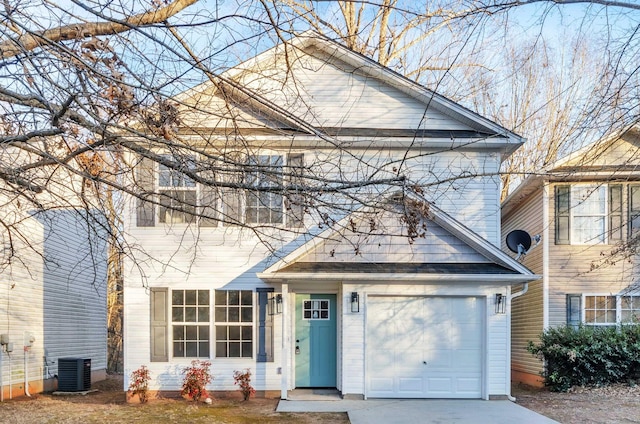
[180, 199]
[234, 323]
[603, 310]
[315, 310]
[588, 213]
[630, 310]
[600, 310]
[190, 318]
[264, 207]
[177, 195]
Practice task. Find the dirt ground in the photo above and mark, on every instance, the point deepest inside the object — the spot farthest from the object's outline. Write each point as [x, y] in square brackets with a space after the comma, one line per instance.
[618, 404]
[107, 405]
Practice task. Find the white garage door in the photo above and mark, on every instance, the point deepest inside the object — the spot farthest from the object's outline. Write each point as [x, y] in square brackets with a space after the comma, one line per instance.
[424, 347]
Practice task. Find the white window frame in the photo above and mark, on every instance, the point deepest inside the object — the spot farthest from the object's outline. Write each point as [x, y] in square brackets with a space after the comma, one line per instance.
[240, 323]
[178, 184]
[196, 323]
[618, 308]
[259, 198]
[575, 202]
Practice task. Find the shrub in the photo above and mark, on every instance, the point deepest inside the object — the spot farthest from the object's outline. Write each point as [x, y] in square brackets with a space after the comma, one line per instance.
[588, 356]
[139, 384]
[243, 379]
[196, 378]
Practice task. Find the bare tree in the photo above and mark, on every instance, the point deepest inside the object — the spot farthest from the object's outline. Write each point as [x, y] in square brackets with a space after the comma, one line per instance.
[86, 84]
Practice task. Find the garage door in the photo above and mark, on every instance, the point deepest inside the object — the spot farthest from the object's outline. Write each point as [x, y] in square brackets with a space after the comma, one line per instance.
[424, 347]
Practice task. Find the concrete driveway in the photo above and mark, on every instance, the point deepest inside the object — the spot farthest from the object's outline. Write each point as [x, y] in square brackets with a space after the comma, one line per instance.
[423, 411]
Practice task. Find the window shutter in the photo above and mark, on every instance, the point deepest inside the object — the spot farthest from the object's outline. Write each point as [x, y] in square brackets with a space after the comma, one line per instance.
[562, 211]
[159, 325]
[634, 209]
[145, 180]
[265, 327]
[295, 200]
[615, 213]
[574, 310]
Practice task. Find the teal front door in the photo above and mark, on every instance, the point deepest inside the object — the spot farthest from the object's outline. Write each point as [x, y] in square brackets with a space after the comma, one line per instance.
[315, 340]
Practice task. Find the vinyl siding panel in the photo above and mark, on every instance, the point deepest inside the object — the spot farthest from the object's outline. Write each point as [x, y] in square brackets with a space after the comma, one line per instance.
[337, 95]
[527, 312]
[56, 292]
[570, 270]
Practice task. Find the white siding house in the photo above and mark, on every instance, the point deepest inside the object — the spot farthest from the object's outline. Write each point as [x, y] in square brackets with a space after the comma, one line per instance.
[413, 308]
[52, 298]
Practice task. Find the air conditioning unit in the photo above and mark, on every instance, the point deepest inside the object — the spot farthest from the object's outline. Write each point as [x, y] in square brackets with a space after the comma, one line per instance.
[74, 374]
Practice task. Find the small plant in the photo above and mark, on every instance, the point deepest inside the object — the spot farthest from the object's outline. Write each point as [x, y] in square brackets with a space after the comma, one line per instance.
[243, 379]
[196, 378]
[140, 383]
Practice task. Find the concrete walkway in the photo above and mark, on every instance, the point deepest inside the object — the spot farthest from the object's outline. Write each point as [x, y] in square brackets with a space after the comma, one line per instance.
[423, 411]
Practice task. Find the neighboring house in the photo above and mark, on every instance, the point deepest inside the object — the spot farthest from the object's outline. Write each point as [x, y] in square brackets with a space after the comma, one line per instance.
[386, 312]
[586, 207]
[52, 297]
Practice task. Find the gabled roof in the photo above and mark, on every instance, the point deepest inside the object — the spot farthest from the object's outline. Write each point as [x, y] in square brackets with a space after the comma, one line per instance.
[484, 261]
[241, 85]
[614, 157]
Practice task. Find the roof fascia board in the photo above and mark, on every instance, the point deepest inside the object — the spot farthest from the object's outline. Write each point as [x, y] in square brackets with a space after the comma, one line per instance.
[396, 277]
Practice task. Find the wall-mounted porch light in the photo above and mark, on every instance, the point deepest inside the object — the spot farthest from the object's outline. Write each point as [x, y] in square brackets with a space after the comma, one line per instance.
[355, 302]
[275, 304]
[500, 302]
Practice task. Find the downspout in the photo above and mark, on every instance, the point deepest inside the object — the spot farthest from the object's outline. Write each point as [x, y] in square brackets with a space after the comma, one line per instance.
[1, 375]
[26, 372]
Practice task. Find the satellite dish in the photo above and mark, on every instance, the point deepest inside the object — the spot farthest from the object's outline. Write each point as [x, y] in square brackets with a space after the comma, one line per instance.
[519, 241]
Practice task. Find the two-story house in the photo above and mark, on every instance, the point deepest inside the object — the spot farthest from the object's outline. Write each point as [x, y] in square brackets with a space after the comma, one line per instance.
[53, 294]
[399, 293]
[586, 208]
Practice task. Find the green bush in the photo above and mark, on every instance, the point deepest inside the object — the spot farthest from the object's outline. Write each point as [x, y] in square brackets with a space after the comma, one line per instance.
[589, 356]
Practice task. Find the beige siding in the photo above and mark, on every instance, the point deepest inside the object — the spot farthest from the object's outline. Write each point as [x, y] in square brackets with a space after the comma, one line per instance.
[527, 311]
[570, 271]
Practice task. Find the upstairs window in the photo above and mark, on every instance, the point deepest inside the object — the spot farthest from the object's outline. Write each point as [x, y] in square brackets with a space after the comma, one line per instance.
[264, 206]
[170, 196]
[588, 213]
[177, 195]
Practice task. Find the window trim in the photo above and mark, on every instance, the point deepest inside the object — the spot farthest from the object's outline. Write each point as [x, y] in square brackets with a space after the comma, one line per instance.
[169, 193]
[615, 217]
[197, 323]
[618, 309]
[251, 323]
